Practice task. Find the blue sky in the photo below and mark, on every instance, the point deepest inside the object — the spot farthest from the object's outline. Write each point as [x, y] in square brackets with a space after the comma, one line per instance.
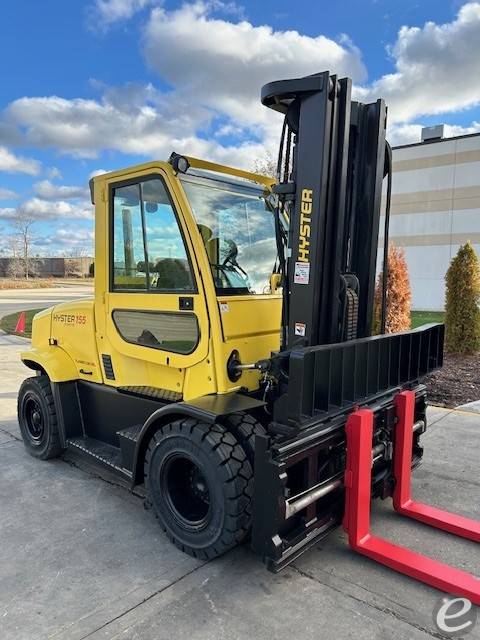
[99, 84]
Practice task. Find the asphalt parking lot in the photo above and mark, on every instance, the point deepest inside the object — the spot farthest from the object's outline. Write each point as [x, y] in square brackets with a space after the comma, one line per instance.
[12, 300]
[81, 558]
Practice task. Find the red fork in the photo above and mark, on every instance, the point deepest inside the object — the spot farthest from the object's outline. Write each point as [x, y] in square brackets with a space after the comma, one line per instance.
[358, 478]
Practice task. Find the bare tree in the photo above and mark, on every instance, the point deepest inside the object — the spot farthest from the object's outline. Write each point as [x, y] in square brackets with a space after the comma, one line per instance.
[73, 262]
[73, 268]
[22, 223]
[76, 252]
[15, 264]
[266, 166]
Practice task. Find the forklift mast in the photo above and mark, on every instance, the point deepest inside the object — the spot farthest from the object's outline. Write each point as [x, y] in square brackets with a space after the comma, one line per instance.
[331, 166]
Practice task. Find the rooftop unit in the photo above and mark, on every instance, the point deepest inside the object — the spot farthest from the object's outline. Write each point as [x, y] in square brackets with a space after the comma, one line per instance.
[433, 133]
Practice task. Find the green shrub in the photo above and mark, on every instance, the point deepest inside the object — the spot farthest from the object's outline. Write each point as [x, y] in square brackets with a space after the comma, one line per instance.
[462, 315]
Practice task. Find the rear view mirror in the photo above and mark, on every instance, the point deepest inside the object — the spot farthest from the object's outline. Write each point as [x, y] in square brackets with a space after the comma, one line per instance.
[151, 207]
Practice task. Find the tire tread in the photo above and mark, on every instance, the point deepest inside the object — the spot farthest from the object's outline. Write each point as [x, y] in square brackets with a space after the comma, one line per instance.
[234, 471]
[43, 388]
[244, 428]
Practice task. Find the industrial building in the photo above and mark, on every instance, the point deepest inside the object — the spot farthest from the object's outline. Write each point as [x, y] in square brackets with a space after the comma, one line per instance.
[47, 267]
[435, 208]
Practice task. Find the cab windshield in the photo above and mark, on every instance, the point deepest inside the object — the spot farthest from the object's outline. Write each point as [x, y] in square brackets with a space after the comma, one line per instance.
[238, 231]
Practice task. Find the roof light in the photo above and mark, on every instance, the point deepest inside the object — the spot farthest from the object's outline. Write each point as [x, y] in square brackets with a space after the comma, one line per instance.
[179, 163]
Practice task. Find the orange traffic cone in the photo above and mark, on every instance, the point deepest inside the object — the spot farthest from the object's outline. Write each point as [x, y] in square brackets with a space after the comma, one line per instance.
[20, 326]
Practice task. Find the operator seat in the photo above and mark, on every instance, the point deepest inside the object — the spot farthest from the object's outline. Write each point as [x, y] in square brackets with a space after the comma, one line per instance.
[173, 274]
[211, 247]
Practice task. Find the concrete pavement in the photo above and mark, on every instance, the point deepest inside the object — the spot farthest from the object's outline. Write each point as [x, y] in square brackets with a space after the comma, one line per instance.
[12, 300]
[80, 557]
[474, 406]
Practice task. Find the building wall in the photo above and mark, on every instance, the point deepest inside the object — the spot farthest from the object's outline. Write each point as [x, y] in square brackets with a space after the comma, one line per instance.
[51, 267]
[435, 208]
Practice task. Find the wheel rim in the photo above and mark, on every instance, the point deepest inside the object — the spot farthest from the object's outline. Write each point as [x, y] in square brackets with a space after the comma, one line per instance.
[33, 419]
[186, 491]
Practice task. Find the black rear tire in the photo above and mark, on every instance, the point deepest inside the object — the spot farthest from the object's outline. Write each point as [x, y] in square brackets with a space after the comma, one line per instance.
[199, 483]
[37, 418]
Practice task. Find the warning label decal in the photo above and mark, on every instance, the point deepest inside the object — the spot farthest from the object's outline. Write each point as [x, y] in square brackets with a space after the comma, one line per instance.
[300, 328]
[302, 273]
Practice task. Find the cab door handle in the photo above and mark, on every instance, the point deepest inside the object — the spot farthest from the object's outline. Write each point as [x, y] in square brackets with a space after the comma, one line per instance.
[86, 373]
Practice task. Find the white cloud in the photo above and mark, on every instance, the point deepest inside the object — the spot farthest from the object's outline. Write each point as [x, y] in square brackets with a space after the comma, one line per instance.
[50, 191]
[223, 64]
[131, 119]
[11, 163]
[66, 241]
[67, 238]
[7, 213]
[46, 210]
[437, 68]
[7, 194]
[456, 130]
[228, 130]
[41, 210]
[97, 172]
[57, 235]
[216, 67]
[53, 173]
[105, 13]
[399, 134]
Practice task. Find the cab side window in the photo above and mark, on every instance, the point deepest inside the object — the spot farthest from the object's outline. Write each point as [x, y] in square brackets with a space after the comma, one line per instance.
[149, 252]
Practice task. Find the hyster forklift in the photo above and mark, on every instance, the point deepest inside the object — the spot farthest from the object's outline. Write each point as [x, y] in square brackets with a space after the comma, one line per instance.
[227, 361]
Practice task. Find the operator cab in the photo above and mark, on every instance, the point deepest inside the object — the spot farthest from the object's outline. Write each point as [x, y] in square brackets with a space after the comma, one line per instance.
[186, 286]
[235, 222]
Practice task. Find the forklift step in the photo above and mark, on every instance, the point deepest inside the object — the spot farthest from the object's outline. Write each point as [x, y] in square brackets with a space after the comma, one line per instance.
[127, 439]
[130, 433]
[359, 433]
[104, 453]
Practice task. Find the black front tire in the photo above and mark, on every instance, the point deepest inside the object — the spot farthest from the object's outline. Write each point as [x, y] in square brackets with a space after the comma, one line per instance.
[245, 428]
[199, 483]
[37, 418]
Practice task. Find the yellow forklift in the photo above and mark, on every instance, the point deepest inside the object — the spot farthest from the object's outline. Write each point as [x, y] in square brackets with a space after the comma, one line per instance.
[227, 360]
